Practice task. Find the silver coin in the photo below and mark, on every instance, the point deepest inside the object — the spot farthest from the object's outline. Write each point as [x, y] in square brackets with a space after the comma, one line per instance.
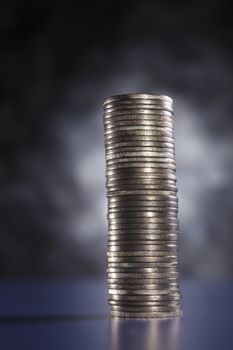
[149, 238]
[138, 107]
[145, 258]
[148, 225]
[142, 238]
[144, 275]
[166, 266]
[143, 281]
[155, 286]
[172, 297]
[125, 291]
[139, 232]
[140, 103]
[141, 292]
[145, 315]
[139, 261]
[152, 259]
[144, 245]
[142, 171]
[128, 210]
[137, 252]
[150, 249]
[158, 194]
[144, 270]
[135, 265]
[138, 113]
[149, 260]
[165, 188]
[142, 143]
[144, 303]
[140, 182]
[138, 100]
[139, 130]
[138, 116]
[124, 177]
[133, 245]
[131, 206]
[140, 150]
[127, 205]
[130, 237]
[137, 125]
[158, 151]
[141, 254]
[144, 214]
[164, 140]
[162, 169]
[141, 214]
[140, 186]
[126, 201]
[140, 176]
[136, 308]
[137, 134]
[131, 217]
[140, 154]
[132, 97]
[109, 124]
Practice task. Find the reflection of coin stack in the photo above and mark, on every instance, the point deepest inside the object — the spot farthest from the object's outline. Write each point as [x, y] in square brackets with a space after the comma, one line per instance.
[142, 206]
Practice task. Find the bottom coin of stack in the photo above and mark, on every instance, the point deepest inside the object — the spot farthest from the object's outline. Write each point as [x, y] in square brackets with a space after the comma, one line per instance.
[142, 207]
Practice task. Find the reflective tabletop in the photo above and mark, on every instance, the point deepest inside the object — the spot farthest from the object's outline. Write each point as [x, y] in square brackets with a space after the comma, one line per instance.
[74, 314]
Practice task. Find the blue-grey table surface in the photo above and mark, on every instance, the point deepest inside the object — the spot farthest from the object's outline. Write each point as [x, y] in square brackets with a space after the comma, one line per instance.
[74, 314]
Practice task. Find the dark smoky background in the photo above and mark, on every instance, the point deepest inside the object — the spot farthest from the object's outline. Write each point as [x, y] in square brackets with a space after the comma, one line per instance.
[58, 62]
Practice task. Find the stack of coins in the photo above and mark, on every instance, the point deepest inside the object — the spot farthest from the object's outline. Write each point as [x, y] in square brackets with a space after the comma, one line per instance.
[142, 206]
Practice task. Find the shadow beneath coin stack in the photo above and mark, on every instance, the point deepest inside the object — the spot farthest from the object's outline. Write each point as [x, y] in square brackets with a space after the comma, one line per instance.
[153, 334]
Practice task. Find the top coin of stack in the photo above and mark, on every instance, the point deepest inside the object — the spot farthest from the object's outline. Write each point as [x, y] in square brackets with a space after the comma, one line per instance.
[142, 206]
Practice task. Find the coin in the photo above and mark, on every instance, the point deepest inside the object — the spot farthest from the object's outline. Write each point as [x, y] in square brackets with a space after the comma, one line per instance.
[137, 315]
[141, 153]
[150, 259]
[137, 100]
[151, 226]
[132, 97]
[145, 137]
[135, 265]
[145, 165]
[144, 308]
[160, 268]
[139, 122]
[141, 280]
[143, 125]
[142, 214]
[144, 245]
[138, 144]
[145, 108]
[144, 286]
[171, 297]
[149, 238]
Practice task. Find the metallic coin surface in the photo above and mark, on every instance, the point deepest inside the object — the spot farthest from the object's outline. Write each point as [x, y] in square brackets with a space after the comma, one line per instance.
[157, 287]
[171, 297]
[150, 238]
[143, 281]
